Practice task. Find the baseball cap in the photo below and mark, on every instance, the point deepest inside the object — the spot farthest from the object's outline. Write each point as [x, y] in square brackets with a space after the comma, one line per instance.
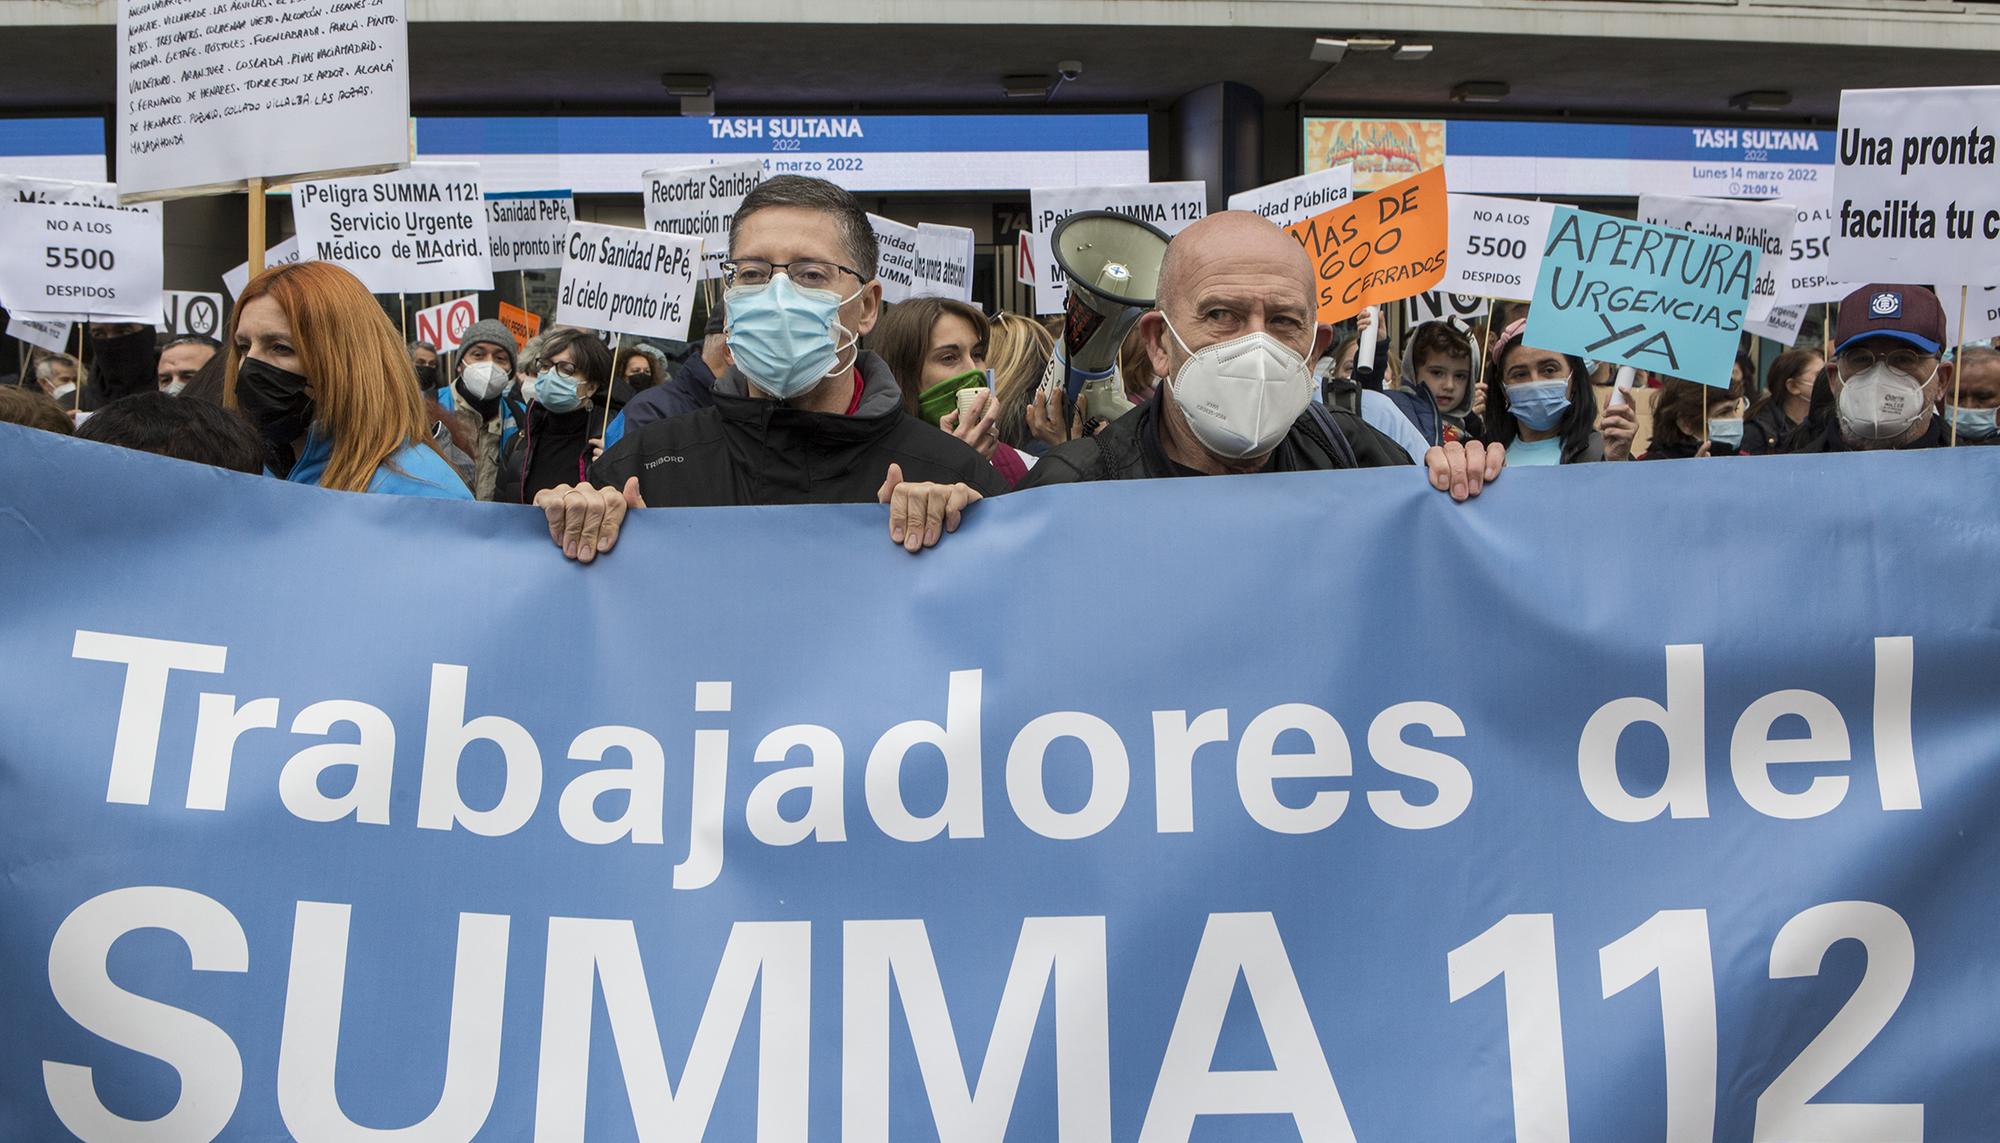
[1906, 313]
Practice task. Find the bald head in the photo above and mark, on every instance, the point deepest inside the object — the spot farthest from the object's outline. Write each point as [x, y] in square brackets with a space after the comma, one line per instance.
[1229, 244]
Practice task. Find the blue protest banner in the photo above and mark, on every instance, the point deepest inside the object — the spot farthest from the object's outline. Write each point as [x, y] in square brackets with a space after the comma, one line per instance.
[1651, 297]
[760, 828]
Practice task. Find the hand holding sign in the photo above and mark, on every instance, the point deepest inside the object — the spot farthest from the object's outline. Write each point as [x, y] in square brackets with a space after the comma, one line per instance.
[1384, 248]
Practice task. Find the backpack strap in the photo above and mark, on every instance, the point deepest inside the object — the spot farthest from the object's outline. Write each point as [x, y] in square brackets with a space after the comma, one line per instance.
[1343, 450]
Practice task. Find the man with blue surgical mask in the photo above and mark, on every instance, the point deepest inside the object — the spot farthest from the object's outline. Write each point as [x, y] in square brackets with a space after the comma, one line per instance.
[1888, 374]
[1975, 402]
[1234, 337]
[803, 415]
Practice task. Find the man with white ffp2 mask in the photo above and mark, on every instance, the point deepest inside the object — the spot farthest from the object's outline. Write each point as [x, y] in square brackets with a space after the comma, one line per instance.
[1235, 335]
[803, 415]
[1887, 374]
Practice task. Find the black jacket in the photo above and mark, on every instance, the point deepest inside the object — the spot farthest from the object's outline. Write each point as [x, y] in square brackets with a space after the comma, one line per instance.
[549, 450]
[1766, 430]
[1830, 439]
[747, 450]
[1129, 449]
[688, 388]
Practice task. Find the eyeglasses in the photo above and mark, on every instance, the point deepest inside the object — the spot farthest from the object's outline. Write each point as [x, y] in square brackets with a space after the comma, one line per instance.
[806, 275]
[1909, 361]
[566, 368]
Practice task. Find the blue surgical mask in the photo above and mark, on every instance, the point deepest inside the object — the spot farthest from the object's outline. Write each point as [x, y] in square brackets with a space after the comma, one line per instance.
[1539, 405]
[1726, 431]
[784, 338]
[1974, 424]
[556, 393]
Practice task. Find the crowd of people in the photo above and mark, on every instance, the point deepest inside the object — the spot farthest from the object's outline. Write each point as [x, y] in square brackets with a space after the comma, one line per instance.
[805, 388]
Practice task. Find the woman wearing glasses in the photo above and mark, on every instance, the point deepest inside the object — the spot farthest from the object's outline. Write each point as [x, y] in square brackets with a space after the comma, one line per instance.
[553, 448]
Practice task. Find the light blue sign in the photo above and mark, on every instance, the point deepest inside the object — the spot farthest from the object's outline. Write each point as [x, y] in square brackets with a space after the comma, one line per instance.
[1651, 297]
[631, 852]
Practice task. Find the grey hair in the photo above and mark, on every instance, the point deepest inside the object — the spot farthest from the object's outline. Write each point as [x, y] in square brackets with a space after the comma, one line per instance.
[815, 194]
[1979, 355]
[46, 365]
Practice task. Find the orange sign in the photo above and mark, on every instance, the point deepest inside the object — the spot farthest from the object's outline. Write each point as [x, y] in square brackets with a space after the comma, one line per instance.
[1383, 151]
[522, 324]
[1383, 248]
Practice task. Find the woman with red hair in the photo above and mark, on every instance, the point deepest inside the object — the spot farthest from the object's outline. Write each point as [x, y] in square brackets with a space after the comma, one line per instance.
[317, 368]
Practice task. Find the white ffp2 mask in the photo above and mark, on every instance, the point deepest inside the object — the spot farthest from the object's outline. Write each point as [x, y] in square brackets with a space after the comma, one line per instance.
[1880, 403]
[485, 380]
[1241, 396]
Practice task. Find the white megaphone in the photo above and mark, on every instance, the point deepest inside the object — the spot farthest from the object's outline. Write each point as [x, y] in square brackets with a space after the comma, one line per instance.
[1112, 262]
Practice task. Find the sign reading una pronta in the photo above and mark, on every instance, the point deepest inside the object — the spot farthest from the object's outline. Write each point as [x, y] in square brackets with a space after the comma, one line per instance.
[526, 228]
[632, 281]
[405, 232]
[1652, 297]
[1917, 183]
[82, 260]
[216, 92]
[701, 202]
[1496, 245]
[1297, 199]
[1766, 225]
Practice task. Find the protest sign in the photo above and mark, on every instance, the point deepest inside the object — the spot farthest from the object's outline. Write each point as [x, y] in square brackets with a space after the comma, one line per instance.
[283, 254]
[1809, 271]
[1171, 207]
[1652, 297]
[523, 324]
[192, 313]
[276, 871]
[943, 266]
[1436, 305]
[1496, 246]
[1024, 258]
[1982, 313]
[27, 189]
[1384, 248]
[216, 92]
[1780, 325]
[701, 202]
[1295, 200]
[79, 259]
[442, 325]
[53, 336]
[896, 258]
[526, 228]
[630, 281]
[1766, 225]
[1916, 180]
[407, 232]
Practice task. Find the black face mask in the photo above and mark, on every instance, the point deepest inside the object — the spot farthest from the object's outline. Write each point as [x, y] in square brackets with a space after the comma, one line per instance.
[427, 376]
[276, 402]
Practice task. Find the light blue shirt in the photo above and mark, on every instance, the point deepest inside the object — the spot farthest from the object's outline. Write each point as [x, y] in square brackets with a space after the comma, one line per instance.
[413, 470]
[1545, 452]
